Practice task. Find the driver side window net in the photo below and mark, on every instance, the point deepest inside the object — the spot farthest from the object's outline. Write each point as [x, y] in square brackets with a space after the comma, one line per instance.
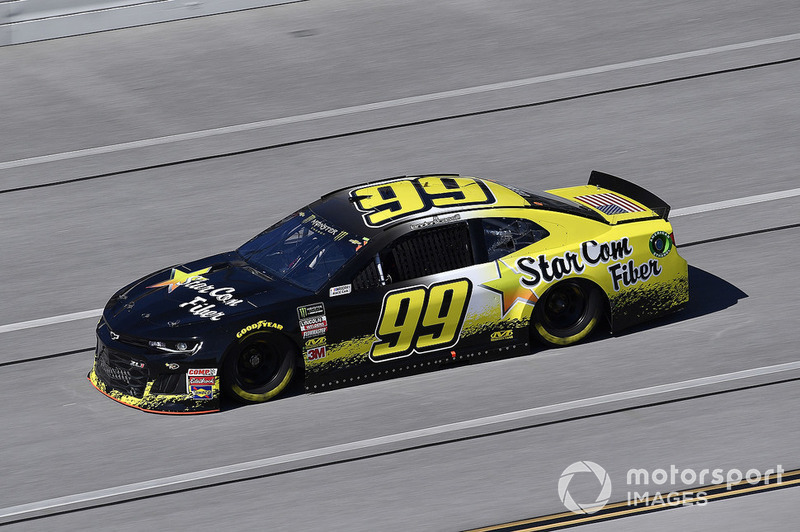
[428, 252]
[418, 254]
[507, 235]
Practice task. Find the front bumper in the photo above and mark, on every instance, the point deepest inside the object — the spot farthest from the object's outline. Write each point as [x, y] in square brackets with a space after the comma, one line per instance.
[153, 384]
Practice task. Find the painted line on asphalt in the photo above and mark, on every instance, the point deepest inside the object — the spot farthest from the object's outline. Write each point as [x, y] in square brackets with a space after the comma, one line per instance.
[388, 104]
[96, 313]
[727, 204]
[335, 452]
[685, 211]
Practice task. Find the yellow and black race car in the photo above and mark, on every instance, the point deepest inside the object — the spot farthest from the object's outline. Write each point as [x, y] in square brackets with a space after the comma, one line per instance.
[398, 276]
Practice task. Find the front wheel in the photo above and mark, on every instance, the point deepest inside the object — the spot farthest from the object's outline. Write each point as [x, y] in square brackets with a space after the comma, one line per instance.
[259, 368]
[567, 313]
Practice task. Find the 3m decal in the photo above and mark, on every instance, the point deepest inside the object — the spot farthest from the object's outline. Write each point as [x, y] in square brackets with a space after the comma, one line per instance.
[419, 319]
[660, 244]
[385, 202]
[260, 325]
[316, 353]
[502, 335]
[629, 274]
[340, 290]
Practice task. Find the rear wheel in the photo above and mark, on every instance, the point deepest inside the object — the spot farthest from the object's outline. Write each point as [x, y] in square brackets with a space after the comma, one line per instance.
[259, 368]
[567, 313]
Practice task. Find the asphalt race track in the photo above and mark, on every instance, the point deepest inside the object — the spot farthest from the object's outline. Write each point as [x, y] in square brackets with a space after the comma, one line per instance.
[126, 151]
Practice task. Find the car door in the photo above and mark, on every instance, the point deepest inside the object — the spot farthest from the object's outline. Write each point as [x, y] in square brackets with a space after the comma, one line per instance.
[431, 295]
[406, 301]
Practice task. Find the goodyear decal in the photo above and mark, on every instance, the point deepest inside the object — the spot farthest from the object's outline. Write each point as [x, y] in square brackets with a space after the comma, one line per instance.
[261, 324]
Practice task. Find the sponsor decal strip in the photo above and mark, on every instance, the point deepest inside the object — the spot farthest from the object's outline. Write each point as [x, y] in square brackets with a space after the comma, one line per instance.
[650, 504]
[368, 446]
[685, 211]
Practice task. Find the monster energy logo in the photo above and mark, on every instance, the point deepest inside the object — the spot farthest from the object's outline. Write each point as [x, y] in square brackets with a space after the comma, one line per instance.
[307, 311]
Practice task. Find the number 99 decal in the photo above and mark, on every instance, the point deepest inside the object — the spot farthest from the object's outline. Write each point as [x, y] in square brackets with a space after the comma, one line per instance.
[385, 202]
[419, 319]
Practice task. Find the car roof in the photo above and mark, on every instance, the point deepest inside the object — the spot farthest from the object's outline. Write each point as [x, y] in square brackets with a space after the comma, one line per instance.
[350, 206]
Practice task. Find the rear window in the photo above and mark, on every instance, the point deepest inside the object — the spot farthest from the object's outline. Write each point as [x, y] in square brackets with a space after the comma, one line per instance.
[503, 236]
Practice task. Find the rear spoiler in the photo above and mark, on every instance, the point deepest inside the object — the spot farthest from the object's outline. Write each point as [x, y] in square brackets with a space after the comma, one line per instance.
[635, 192]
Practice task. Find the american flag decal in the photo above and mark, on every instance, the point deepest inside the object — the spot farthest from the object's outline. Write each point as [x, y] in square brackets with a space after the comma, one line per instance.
[609, 203]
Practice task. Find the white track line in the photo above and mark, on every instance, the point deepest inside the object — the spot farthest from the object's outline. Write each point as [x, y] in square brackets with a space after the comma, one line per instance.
[760, 198]
[185, 480]
[685, 211]
[205, 133]
[51, 321]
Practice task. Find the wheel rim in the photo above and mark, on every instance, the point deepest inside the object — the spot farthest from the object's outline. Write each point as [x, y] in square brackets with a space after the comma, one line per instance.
[565, 306]
[256, 366]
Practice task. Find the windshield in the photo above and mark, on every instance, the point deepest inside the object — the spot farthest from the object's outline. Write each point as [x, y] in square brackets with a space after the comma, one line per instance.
[303, 249]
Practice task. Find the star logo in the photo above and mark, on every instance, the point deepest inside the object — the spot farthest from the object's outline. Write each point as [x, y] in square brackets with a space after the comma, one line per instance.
[178, 278]
[510, 289]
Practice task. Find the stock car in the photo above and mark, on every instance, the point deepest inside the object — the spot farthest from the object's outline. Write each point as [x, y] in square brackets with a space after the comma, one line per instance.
[386, 278]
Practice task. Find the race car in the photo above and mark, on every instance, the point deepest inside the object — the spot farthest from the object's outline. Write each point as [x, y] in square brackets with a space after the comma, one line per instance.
[386, 278]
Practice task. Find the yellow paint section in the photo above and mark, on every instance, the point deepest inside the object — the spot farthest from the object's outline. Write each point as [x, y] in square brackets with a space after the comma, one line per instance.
[154, 403]
[571, 193]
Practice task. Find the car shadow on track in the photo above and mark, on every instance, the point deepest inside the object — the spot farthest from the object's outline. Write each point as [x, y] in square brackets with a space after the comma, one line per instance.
[707, 294]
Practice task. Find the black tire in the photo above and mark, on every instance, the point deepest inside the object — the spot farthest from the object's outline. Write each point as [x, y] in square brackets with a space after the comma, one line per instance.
[567, 313]
[258, 368]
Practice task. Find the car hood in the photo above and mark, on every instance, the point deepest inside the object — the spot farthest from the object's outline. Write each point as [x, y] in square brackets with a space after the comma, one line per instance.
[201, 293]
